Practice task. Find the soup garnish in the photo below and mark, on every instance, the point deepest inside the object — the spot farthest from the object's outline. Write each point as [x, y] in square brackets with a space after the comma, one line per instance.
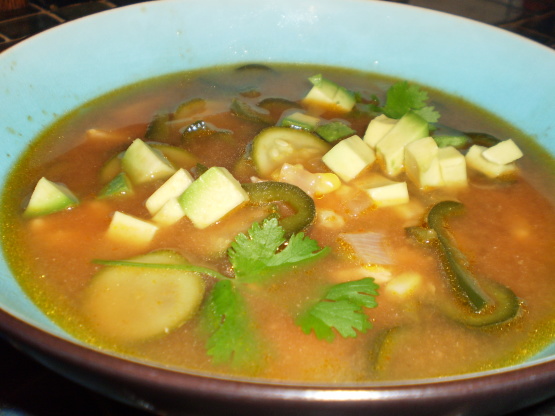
[274, 223]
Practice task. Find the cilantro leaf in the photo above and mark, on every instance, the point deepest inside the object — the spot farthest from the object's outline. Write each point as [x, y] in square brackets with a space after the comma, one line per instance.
[231, 336]
[360, 292]
[402, 97]
[341, 308]
[257, 256]
[342, 315]
[226, 321]
[428, 113]
[298, 249]
[250, 254]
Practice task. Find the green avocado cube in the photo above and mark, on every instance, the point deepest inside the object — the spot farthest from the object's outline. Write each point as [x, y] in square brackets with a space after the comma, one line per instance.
[391, 148]
[172, 188]
[143, 164]
[49, 197]
[130, 230]
[213, 195]
[328, 94]
[349, 157]
[119, 186]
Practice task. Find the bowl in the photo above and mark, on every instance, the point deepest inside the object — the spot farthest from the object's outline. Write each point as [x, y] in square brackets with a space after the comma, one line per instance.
[52, 73]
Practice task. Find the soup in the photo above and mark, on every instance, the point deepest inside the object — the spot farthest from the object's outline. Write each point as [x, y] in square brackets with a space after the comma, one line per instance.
[290, 223]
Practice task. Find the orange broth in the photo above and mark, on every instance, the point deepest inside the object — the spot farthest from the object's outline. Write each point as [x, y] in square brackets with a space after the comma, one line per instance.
[507, 233]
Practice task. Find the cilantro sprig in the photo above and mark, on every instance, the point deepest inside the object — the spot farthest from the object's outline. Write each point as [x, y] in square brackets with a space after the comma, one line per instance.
[341, 308]
[225, 318]
[257, 255]
[403, 97]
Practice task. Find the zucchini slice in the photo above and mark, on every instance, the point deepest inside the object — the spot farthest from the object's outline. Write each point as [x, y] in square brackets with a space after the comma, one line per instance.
[158, 129]
[274, 146]
[131, 303]
[189, 108]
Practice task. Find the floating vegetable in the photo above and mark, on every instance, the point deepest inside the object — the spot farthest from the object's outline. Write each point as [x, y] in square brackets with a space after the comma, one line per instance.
[295, 197]
[484, 302]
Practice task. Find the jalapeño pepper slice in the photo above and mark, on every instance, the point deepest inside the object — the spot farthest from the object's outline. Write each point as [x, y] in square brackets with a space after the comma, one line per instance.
[269, 192]
[454, 262]
[485, 302]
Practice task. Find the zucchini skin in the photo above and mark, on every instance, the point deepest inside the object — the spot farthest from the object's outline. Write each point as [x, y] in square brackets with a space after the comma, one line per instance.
[276, 145]
[158, 129]
[261, 193]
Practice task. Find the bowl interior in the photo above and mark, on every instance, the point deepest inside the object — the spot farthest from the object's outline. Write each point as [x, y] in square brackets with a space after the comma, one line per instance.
[49, 75]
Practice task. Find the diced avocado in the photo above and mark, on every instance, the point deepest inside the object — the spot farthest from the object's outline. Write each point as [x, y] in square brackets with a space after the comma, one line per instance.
[172, 188]
[502, 153]
[349, 157]
[377, 129]
[169, 213]
[322, 89]
[326, 93]
[422, 163]
[143, 164]
[392, 193]
[476, 160]
[120, 185]
[453, 167]
[49, 197]
[274, 146]
[177, 156]
[214, 194]
[391, 148]
[137, 303]
[300, 121]
[125, 228]
[333, 131]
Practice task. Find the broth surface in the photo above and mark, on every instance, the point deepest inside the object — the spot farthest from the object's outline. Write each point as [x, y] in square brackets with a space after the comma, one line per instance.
[507, 232]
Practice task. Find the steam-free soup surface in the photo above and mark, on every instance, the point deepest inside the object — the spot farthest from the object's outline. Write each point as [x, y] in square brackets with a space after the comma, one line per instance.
[506, 233]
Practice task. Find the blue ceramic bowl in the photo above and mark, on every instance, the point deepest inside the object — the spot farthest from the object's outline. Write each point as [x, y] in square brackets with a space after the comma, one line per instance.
[58, 70]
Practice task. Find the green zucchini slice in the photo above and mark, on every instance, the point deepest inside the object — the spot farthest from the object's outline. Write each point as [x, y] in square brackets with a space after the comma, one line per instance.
[274, 146]
[131, 303]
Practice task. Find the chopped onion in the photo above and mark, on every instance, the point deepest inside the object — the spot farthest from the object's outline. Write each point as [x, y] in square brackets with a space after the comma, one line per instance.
[369, 247]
